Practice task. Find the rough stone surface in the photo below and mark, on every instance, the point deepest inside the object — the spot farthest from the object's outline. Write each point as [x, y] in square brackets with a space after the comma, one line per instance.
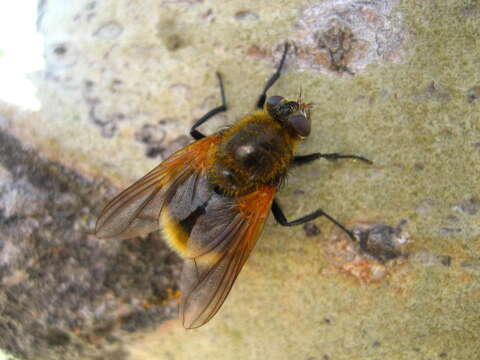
[395, 81]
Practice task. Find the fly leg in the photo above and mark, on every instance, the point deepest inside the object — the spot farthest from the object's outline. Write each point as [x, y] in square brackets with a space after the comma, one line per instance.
[302, 160]
[197, 135]
[282, 220]
[305, 159]
[273, 79]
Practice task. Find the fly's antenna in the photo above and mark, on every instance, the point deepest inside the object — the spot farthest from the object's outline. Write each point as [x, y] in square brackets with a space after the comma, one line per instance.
[306, 108]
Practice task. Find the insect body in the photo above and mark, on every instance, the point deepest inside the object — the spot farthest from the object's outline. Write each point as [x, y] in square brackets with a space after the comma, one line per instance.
[258, 149]
[212, 198]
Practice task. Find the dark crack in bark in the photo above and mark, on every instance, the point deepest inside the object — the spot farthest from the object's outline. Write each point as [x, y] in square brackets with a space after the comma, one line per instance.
[65, 294]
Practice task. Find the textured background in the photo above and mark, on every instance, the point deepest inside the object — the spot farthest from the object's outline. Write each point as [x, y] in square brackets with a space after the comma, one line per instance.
[395, 81]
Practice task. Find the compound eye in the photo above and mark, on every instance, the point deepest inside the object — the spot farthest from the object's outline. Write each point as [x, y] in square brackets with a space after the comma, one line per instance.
[273, 101]
[300, 123]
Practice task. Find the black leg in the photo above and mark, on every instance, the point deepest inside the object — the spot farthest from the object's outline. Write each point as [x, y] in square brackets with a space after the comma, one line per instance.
[282, 220]
[271, 81]
[305, 159]
[197, 135]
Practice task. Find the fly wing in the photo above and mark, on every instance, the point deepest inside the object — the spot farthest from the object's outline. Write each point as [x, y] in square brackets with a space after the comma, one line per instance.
[136, 210]
[229, 228]
[213, 233]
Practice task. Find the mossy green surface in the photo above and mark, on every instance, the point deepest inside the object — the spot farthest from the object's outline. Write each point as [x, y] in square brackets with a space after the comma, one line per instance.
[414, 121]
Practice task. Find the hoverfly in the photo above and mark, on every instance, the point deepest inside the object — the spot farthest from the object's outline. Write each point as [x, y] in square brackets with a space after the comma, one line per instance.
[211, 198]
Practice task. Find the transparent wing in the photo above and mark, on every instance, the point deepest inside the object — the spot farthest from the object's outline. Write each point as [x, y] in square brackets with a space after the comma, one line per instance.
[209, 275]
[213, 233]
[135, 211]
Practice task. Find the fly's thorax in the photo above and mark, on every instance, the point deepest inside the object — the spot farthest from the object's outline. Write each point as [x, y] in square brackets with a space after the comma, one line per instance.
[257, 150]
